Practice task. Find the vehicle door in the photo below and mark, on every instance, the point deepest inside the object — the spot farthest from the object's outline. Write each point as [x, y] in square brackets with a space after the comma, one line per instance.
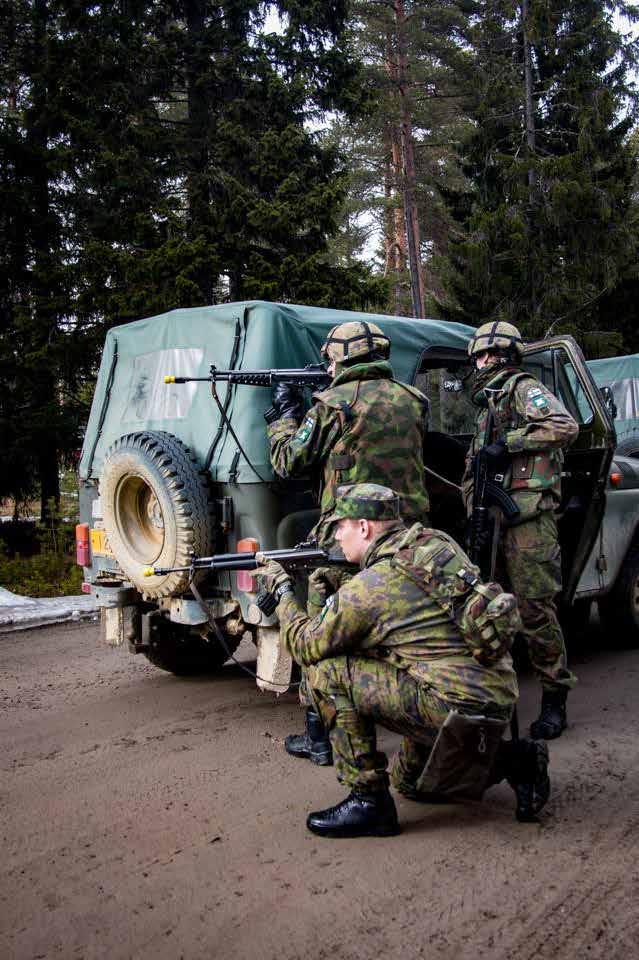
[445, 375]
[560, 365]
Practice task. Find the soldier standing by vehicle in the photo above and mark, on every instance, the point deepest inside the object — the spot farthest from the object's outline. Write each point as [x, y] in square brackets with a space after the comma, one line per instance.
[366, 426]
[530, 430]
[414, 641]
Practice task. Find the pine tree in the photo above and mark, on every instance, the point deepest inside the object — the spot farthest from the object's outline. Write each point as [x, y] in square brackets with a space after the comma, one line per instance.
[402, 152]
[544, 230]
[33, 281]
[155, 154]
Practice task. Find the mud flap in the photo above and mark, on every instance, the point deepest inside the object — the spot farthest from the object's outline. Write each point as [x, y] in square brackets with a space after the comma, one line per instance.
[274, 663]
[462, 757]
[118, 625]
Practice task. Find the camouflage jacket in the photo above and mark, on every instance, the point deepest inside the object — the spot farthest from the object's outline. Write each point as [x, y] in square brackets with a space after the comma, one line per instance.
[536, 427]
[366, 428]
[383, 613]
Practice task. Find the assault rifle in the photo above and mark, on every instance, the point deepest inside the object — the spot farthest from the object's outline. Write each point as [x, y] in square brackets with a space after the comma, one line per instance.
[487, 493]
[305, 556]
[485, 524]
[314, 375]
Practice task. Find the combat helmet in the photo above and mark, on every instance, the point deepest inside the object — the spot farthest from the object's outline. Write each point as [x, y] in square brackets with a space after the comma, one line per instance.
[355, 339]
[497, 336]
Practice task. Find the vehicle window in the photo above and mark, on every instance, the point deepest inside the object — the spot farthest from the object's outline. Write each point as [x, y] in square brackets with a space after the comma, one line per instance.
[555, 370]
[571, 391]
[149, 397]
[449, 391]
[540, 365]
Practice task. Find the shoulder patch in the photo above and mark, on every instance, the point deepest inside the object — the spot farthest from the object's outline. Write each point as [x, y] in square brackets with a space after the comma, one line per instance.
[306, 429]
[331, 604]
[537, 397]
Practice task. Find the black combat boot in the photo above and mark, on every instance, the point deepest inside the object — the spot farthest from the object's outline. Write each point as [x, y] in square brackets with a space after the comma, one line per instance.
[552, 721]
[313, 744]
[362, 814]
[528, 776]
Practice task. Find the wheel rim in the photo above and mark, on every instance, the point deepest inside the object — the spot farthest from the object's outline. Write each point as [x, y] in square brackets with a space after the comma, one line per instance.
[140, 519]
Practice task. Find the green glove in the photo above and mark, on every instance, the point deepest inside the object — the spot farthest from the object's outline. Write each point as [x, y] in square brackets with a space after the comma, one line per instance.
[274, 577]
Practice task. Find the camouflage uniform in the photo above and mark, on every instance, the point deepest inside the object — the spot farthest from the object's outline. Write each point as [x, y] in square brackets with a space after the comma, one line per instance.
[385, 650]
[536, 428]
[367, 427]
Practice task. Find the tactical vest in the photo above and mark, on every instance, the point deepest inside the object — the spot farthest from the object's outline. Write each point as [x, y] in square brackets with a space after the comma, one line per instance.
[380, 440]
[486, 617]
[538, 471]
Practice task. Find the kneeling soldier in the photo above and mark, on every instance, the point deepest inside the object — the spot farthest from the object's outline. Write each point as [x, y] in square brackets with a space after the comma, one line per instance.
[417, 643]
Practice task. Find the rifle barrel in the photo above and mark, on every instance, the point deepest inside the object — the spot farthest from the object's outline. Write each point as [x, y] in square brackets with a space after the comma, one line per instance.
[293, 558]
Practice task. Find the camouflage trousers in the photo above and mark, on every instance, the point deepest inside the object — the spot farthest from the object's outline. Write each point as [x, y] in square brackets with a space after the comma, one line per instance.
[352, 695]
[322, 584]
[529, 564]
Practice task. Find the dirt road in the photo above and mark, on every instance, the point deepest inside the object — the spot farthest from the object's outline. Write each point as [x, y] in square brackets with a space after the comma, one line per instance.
[149, 817]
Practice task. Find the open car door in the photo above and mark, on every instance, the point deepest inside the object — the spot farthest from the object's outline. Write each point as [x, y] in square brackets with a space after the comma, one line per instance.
[560, 365]
[445, 376]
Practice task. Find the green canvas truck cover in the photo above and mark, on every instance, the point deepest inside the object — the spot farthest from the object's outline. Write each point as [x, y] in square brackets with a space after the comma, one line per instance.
[621, 374]
[131, 395]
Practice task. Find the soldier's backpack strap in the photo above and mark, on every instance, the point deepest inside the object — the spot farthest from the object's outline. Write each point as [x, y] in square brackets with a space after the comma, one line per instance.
[487, 618]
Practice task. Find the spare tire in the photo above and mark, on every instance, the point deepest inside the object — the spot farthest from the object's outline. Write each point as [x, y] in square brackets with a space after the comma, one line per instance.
[156, 509]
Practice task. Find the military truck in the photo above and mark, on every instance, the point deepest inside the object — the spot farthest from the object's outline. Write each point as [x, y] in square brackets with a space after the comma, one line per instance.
[167, 473]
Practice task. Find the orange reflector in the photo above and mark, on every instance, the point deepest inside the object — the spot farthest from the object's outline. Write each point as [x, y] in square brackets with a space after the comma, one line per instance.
[82, 557]
[245, 580]
[616, 479]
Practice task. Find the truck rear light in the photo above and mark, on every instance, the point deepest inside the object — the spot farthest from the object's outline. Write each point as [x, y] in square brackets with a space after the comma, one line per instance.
[616, 479]
[245, 580]
[82, 555]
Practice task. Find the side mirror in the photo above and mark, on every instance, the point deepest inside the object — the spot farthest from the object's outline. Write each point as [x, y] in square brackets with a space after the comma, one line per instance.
[606, 393]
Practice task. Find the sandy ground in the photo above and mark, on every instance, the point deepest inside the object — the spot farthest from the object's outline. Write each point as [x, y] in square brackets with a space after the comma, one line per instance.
[145, 816]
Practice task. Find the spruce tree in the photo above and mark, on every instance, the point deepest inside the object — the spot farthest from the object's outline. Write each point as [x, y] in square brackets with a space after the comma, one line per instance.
[155, 154]
[544, 225]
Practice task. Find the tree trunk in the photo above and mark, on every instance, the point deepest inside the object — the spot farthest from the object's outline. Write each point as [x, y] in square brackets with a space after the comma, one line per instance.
[45, 282]
[529, 109]
[389, 215]
[199, 203]
[396, 225]
[529, 114]
[408, 156]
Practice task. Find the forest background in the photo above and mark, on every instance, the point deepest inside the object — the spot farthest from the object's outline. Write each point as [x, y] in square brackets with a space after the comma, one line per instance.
[459, 159]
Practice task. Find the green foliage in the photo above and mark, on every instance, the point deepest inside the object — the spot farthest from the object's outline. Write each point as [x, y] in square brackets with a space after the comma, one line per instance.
[45, 574]
[153, 156]
[545, 224]
[374, 204]
[44, 565]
